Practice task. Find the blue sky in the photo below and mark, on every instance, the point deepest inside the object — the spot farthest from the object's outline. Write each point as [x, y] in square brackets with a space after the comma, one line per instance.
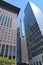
[22, 4]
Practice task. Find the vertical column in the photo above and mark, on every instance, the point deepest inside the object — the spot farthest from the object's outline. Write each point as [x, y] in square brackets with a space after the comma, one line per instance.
[8, 51]
[4, 51]
[1, 48]
[12, 53]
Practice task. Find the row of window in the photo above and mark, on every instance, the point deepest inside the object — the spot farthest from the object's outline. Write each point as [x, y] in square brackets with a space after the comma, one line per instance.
[32, 43]
[7, 50]
[38, 63]
[7, 30]
[7, 13]
[37, 52]
[5, 21]
[37, 46]
[8, 41]
[34, 26]
[33, 36]
[5, 35]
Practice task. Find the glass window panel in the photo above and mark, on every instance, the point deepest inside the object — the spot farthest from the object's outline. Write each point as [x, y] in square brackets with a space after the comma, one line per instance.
[6, 51]
[10, 51]
[13, 50]
[2, 49]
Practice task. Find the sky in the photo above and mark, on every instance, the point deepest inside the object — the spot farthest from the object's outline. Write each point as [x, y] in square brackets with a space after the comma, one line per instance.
[22, 4]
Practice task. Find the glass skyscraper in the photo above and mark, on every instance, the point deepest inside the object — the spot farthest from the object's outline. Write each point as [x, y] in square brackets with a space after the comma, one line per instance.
[33, 22]
[8, 29]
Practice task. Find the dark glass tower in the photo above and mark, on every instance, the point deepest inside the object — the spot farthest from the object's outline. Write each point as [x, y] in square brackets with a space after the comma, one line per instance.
[33, 22]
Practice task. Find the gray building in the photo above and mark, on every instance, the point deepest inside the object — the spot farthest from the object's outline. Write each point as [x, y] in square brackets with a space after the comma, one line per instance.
[18, 46]
[33, 22]
[22, 56]
[8, 29]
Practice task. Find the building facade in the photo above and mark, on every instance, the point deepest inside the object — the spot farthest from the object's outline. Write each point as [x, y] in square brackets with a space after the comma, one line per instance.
[8, 29]
[18, 46]
[33, 22]
[22, 56]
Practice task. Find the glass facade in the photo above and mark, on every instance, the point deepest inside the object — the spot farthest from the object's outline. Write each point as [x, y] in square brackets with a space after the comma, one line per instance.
[33, 33]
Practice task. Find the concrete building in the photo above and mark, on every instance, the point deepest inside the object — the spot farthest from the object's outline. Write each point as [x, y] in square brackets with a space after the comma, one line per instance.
[33, 22]
[22, 56]
[8, 29]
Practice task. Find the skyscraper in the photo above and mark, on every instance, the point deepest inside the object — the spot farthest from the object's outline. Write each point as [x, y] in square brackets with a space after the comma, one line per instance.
[18, 46]
[22, 56]
[8, 29]
[33, 22]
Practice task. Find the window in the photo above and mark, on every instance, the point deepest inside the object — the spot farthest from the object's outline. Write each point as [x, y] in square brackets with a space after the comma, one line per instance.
[0, 28]
[42, 58]
[8, 24]
[5, 21]
[6, 51]
[13, 50]
[14, 39]
[2, 49]
[0, 45]
[0, 40]
[1, 23]
[4, 37]
[8, 35]
[11, 36]
[36, 63]
[2, 19]
[14, 42]
[11, 22]
[3, 29]
[11, 42]
[10, 51]
[40, 63]
[7, 41]
[4, 41]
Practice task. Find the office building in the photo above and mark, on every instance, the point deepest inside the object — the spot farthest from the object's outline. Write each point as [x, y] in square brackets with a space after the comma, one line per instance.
[22, 56]
[33, 22]
[8, 29]
[18, 46]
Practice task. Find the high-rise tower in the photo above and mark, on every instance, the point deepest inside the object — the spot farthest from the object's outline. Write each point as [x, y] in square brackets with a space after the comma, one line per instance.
[33, 22]
[22, 58]
[8, 29]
